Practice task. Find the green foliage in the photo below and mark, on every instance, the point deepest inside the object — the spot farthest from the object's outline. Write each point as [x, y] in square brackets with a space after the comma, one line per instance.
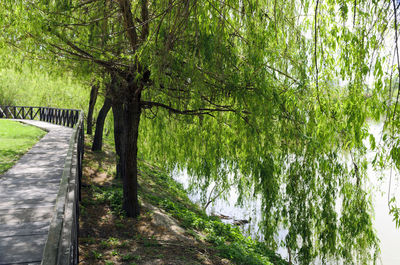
[294, 83]
[15, 140]
[395, 211]
[38, 88]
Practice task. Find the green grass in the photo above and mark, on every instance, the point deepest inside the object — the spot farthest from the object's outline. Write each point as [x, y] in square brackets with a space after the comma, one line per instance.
[15, 140]
[161, 190]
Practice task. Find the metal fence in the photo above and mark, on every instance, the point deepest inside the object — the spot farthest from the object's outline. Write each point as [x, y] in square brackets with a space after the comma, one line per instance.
[62, 242]
[64, 117]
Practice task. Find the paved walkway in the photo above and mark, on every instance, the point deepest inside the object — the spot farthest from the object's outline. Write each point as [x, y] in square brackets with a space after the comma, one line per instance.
[28, 193]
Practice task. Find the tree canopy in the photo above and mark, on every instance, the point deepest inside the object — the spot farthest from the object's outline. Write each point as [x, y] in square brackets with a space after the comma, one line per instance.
[276, 93]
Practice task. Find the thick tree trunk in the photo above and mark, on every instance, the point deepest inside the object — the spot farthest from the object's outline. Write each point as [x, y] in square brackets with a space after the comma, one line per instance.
[98, 135]
[132, 120]
[118, 136]
[126, 130]
[92, 102]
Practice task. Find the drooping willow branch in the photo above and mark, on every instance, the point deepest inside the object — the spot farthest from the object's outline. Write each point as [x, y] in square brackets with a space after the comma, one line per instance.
[315, 51]
[398, 90]
[354, 13]
[397, 55]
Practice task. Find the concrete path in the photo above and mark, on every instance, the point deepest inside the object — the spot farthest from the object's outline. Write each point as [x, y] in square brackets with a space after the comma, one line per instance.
[28, 193]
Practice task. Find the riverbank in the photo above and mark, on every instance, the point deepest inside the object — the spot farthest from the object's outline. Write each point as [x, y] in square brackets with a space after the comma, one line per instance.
[170, 230]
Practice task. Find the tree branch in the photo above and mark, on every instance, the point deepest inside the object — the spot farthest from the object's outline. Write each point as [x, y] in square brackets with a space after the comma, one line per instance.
[145, 19]
[125, 6]
[315, 51]
[200, 111]
[355, 12]
[282, 73]
[397, 55]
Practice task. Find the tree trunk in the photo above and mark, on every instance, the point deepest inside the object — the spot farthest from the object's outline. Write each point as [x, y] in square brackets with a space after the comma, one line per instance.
[126, 130]
[118, 136]
[92, 102]
[98, 135]
[132, 120]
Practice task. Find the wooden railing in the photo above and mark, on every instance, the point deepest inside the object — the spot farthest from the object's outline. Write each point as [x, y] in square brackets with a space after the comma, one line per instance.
[62, 242]
[64, 117]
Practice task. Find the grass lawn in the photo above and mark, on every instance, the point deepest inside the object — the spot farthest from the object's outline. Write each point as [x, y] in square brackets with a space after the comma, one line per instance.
[15, 140]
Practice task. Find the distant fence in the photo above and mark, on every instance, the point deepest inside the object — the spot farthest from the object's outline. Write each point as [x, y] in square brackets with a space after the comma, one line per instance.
[64, 117]
[62, 242]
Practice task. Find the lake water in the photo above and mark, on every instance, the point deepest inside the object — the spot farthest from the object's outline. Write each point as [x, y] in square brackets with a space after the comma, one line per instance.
[387, 232]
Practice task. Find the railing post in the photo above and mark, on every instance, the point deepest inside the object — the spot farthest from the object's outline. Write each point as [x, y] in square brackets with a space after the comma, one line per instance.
[81, 148]
[63, 117]
[69, 118]
[76, 117]
[59, 117]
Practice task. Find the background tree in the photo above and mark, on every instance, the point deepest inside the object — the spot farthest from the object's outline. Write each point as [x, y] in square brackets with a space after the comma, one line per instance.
[101, 118]
[94, 91]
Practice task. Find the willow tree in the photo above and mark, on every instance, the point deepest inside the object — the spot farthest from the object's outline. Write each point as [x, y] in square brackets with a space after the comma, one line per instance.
[271, 94]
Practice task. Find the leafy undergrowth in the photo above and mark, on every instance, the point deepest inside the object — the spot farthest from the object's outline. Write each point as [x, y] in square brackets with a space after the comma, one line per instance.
[170, 230]
[15, 140]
